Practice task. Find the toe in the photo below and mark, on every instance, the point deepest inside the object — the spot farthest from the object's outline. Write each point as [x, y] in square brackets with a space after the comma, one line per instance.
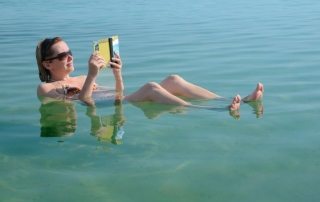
[260, 87]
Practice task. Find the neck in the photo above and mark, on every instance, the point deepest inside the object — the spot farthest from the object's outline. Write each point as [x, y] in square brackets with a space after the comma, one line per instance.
[59, 78]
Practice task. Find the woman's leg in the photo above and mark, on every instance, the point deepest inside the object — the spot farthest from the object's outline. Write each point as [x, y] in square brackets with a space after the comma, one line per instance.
[178, 86]
[154, 92]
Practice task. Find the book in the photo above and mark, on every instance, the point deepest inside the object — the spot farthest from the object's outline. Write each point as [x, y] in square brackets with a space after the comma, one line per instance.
[107, 48]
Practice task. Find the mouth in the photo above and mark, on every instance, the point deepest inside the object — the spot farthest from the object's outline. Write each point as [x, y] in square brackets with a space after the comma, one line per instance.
[69, 66]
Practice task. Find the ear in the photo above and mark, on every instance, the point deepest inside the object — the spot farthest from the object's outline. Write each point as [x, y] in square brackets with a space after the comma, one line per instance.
[46, 65]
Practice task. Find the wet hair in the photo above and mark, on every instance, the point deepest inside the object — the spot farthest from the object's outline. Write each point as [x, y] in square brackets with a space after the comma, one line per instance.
[43, 51]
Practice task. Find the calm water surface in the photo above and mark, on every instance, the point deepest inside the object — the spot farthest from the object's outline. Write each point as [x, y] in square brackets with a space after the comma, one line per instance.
[165, 153]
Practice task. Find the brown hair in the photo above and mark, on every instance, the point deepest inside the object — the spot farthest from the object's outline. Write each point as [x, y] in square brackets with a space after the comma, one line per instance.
[43, 50]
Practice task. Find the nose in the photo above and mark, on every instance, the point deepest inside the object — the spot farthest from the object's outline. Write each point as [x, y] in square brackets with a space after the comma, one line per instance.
[69, 58]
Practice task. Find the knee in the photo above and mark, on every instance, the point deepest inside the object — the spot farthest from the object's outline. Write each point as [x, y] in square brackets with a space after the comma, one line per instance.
[152, 86]
[174, 78]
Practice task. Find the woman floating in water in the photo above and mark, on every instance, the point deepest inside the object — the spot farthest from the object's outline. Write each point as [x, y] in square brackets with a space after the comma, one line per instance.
[55, 63]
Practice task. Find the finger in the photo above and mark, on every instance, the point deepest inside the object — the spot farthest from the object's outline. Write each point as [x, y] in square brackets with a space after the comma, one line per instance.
[102, 64]
[98, 57]
[100, 60]
[116, 59]
[94, 54]
[116, 55]
[115, 65]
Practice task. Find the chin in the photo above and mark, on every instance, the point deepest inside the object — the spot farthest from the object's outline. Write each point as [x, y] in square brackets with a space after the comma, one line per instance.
[70, 68]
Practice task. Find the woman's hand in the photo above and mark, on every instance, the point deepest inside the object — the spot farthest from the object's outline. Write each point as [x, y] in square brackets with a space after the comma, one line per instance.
[95, 63]
[116, 65]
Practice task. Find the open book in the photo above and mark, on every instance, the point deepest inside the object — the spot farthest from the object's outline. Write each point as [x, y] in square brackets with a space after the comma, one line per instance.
[107, 47]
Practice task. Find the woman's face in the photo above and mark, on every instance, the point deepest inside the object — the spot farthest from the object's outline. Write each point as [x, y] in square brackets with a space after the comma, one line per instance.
[63, 60]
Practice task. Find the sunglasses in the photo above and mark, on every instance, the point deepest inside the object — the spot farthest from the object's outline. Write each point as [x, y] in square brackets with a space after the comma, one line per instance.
[61, 56]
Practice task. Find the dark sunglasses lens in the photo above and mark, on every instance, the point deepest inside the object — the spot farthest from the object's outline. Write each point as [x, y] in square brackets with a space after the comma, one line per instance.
[63, 55]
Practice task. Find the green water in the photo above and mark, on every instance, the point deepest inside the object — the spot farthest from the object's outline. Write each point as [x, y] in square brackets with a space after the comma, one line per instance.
[165, 153]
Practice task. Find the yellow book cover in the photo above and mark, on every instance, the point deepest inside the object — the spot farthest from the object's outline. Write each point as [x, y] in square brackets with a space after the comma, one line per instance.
[107, 47]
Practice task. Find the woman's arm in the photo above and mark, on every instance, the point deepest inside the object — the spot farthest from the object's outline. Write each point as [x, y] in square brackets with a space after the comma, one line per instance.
[95, 63]
[116, 66]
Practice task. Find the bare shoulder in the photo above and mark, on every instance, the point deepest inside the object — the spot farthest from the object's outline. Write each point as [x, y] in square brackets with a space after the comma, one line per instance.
[47, 92]
[44, 89]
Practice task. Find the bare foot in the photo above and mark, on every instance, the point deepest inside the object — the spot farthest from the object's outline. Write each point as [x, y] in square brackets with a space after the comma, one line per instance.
[234, 107]
[257, 94]
[235, 104]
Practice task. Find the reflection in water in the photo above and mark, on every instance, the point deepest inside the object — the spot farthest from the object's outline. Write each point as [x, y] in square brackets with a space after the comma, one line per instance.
[107, 127]
[257, 107]
[235, 114]
[58, 118]
[153, 110]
